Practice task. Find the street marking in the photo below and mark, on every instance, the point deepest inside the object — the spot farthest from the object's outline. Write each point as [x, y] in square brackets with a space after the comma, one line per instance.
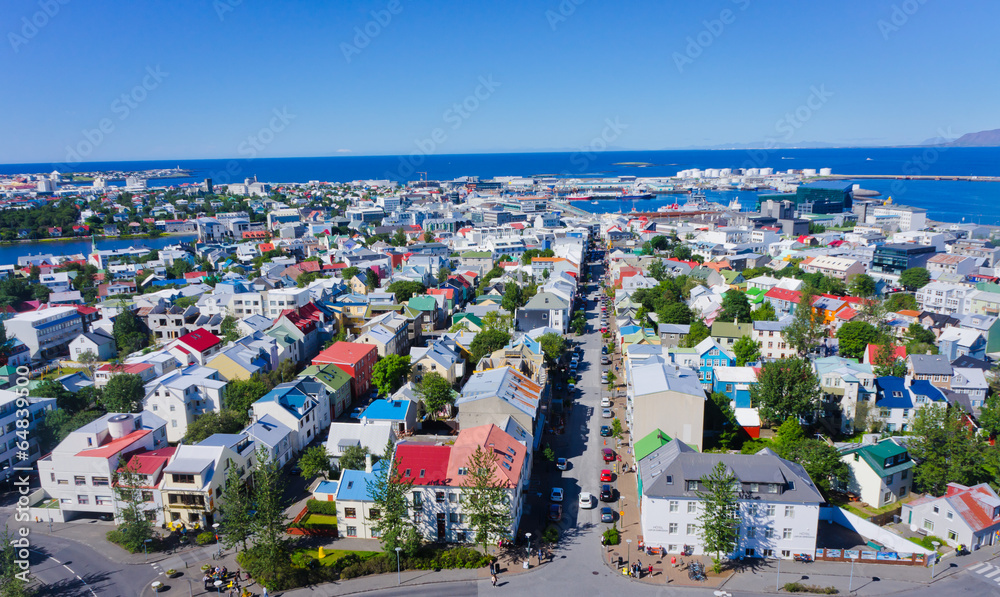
[973, 567]
[992, 574]
[68, 568]
[55, 560]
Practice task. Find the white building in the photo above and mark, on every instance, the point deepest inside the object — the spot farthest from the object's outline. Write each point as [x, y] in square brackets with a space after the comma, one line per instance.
[281, 299]
[12, 407]
[942, 297]
[46, 332]
[183, 395]
[302, 405]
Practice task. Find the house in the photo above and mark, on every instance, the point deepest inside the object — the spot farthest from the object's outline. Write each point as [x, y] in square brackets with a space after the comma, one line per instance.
[662, 396]
[735, 383]
[98, 342]
[935, 368]
[338, 386]
[183, 395]
[844, 383]
[272, 437]
[489, 397]
[398, 412]
[197, 347]
[389, 333]
[148, 467]
[784, 301]
[357, 360]
[673, 334]
[371, 434]
[971, 382]
[841, 268]
[769, 336]
[778, 502]
[707, 355]
[357, 515]
[47, 332]
[955, 342]
[251, 354]
[545, 309]
[437, 357]
[302, 405]
[194, 479]
[881, 473]
[967, 516]
[899, 398]
[726, 333]
[104, 373]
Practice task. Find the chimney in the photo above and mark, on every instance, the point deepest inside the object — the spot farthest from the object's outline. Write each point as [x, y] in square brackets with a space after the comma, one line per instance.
[368, 463]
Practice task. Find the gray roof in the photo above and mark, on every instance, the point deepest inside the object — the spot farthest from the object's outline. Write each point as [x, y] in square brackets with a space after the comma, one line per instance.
[677, 462]
[930, 364]
[674, 328]
[546, 300]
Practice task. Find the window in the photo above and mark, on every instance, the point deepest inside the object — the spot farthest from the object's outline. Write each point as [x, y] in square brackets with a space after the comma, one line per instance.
[952, 535]
[463, 471]
[692, 486]
[751, 552]
[751, 532]
[374, 513]
[352, 531]
[770, 509]
[178, 478]
[439, 497]
[82, 499]
[789, 511]
[768, 533]
[692, 529]
[79, 480]
[887, 497]
[950, 515]
[772, 488]
[754, 487]
[670, 479]
[350, 513]
[452, 498]
[418, 500]
[929, 524]
[786, 533]
[672, 528]
[147, 496]
[692, 507]
[937, 510]
[673, 505]
[101, 482]
[888, 480]
[103, 500]
[453, 517]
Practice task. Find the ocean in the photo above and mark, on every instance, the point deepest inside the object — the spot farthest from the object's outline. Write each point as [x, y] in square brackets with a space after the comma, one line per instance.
[9, 253]
[944, 200]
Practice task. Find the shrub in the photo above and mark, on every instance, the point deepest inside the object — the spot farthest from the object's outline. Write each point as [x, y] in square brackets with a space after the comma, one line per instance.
[119, 539]
[612, 537]
[795, 587]
[321, 507]
[204, 538]
[550, 534]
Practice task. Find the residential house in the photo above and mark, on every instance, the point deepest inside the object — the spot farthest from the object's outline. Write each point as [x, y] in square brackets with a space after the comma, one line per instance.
[489, 397]
[899, 398]
[302, 405]
[844, 383]
[735, 383]
[357, 514]
[338, 386]
[726, 333]
[955, 342]
[881, 473]
[357, 360]
[194, 479]
[197, 347]
[673, 334]
[663, 396]
[370, 434]
[437, 357]
[46, 332]
[181, 396]
[104, 373]
[967, 516]
[397, 411]
[935, 368]
[98, 342]
[251, 354]
[545, 309]
[769, 336]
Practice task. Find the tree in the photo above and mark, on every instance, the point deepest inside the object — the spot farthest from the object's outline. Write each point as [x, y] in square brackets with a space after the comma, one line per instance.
[399, 238]
[236, 509]
[134, 527]
[918, 334]
[405, 289]
[806, 329]
[87, 359]
[786, 388]
[129, 337]
[718, 519]
[682, 252]
[5, 343]
[230, 333]
[240, 394]
[854, 337]
[486, 342]
[788, 436]
[316, 461]
[553, 346]
[487, 499]
[822, 462]
[354, 458]
[371, 279]
[349, 272]
[210, 423]
[13, 579]
[900, 301]
[989, 415]
[435, 392]
[914, 278]
[678, 313]
[765, 312]
[657, 270]
[947, 451]
[862, 285]
[428, 237]
[389, 490]
[746, 350]
[735, 307]
[123, 394]
[443, 274]
[885, 362]
[512, 297]
[499, 321]
[269, 521]
[390, 372]
[698, 332]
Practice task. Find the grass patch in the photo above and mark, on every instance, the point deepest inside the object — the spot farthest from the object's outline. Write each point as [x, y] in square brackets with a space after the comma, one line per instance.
[303, 557]
[314, 520]
[60, 371]
[927, 542]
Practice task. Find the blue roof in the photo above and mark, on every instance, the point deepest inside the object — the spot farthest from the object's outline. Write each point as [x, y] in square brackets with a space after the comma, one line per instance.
[354, 484]
[327, 487]
[837, 185]
[385, 410]
[893, 392]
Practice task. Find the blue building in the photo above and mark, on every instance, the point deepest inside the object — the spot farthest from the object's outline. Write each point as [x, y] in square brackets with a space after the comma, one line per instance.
[734, 382]
[899, 398]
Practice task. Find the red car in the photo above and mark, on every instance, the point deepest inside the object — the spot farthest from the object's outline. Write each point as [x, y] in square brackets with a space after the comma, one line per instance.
[605, 476]
[604, 330]
[609, 454]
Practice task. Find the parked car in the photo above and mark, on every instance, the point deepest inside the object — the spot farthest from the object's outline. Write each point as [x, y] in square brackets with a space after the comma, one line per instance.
[562, 464]
[586, 500]
[604, 350]
[606, 413]
[557, 494]
[608, 455]
[607, 493]
[605, 402]
[607, 514]
[605, 430]
[555, 512]
[606, 476]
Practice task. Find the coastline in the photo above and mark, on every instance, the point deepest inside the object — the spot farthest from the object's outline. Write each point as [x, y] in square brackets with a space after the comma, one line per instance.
[29, 241]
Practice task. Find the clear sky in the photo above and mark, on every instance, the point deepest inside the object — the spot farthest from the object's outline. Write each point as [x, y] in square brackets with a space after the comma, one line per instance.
[205, 79]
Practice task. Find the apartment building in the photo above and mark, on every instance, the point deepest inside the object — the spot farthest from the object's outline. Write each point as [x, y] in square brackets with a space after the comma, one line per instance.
[46, 332]
[841, 268]
[12, 407]
[194, 480]
[183, 395]
[942, 297]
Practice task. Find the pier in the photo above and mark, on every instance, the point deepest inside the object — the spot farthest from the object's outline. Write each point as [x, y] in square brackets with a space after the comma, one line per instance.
[908, 177]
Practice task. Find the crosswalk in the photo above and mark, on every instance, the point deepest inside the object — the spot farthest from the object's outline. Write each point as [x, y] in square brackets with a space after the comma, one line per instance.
[988, 571]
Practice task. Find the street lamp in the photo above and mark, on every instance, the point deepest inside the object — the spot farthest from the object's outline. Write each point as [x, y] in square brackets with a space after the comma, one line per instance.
[398, 580]
[528, 537]
[934, 563]
[628, 553]
[218, 586]
[777, 578]
[216, 528]
[146, 551]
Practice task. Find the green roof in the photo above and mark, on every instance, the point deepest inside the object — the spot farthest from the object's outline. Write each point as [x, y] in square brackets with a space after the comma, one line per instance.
[329, 375]
[647, 445]
[422, 303]
[726, 329]
[875, 456]
[729, 275]
[476, 255]
[458, 317]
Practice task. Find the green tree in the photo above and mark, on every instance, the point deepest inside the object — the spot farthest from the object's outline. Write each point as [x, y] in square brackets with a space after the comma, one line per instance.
[989, 416]
[900, 301]
[212, 422]
[349, 272]
[13, 580]
[512, 297]
[486, 342]
[389, 490]
[405, 289]
[269, 521]
[123, 394]
[316, 461]
[698, 332]
[765, 312]
[946, 449]
[854, 336]
[435, 392]
[746, 351]
[390, 372]
[127, 331]
[553, 347]
[498, 321]
[682, 252]
[822, 462]
[862, 285]
[786, 388]
[443, 275]
[806, 329]
[134, 527]
[719, 517]
[240, 394]
[487, 499]
[354, 458]
[885, 362]
[657, 270]
[918, 334]
[399, 238]
[914, 278]
[735, 307]
[87, 359]
[236, 509]
[677, 313]
[230, 333]
[428, 237]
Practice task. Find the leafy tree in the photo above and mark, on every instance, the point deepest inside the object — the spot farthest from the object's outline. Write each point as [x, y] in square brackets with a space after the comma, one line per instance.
[87, 359]
[657, 270]
[914, 278]
[947, 451]
[806, 329]
[819, 459]
[240, 394]
[854, 337]
[786, 388]
[487, 500]
[498, 321]
[5, 343]
[788, 436]
[399, 238]
[127, 331]
[512, 297]
[316, 461]
[862, 285]
[210, 423]
[13, 580]
[989, 415]
[746, 350]
[885, 362]
[349, 272]
[435, 392]
[65, 400]
[428, 237]
[405, 289]
[269, 521]
[677, 313]
[354, 458]
[123, 394]
[862, 416]
[58, 424]
[553, 347]
[235, 526]
[720, 417]
[486, 342]
[734, 307]
[682, 252]
[699, 331]
[900, 301]
[718, 519]
[390, 372]
[388, 490]
[230, 333]
[918, 334]
[765, 312]
[133, 525]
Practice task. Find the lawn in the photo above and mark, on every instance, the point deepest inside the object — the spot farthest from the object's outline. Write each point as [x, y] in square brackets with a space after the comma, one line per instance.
[330, 556]
[314, 520]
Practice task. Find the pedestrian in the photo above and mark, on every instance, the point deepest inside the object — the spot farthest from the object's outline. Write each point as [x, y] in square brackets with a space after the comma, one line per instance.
[651, 570]
[264, 594]
[493, 577]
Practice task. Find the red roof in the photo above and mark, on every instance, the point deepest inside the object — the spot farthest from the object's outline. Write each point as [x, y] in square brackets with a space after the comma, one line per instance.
[148, 463]
[969, 501]
[133, 369]
[691, 264]
[423, 464]
[115, 446]
[200, 340]
[448, 293]
[346, 353]
[846, 314]
[899, 352]
[518, 225]
[190, 275]
[783, 294]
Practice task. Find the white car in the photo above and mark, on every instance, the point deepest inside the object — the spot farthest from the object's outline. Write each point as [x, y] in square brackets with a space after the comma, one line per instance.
[607, 414]
[557, 494]
[586, 500]
[605, 402]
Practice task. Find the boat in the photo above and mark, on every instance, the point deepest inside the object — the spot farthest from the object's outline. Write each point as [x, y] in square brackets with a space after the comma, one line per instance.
[594, 202]
[578, 198]
[735, 205]
[635, 197]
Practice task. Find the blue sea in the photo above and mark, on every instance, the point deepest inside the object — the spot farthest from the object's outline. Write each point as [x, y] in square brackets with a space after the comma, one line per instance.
[945, 200]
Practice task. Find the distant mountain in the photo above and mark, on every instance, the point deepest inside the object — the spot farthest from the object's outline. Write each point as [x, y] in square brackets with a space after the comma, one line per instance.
[772, 145]
[980, 139]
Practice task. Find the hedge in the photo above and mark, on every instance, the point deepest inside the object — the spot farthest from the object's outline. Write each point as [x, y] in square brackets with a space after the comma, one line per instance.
[321, 507]
[796, 587]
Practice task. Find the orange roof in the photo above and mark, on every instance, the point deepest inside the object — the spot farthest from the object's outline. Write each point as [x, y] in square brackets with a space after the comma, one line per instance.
[265, 247]
[115, 446]
[909, 313]
[508, 452]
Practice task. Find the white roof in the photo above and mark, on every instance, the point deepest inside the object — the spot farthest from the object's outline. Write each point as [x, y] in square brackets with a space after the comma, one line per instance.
[747, 417]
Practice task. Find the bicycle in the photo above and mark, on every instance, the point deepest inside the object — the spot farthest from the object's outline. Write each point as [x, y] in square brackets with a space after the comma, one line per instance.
[217, 555]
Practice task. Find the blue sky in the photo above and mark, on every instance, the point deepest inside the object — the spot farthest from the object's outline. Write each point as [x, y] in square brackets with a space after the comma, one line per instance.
[549, 75]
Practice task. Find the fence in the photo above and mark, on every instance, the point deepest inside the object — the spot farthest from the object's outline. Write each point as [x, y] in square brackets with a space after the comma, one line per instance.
[871, 557]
